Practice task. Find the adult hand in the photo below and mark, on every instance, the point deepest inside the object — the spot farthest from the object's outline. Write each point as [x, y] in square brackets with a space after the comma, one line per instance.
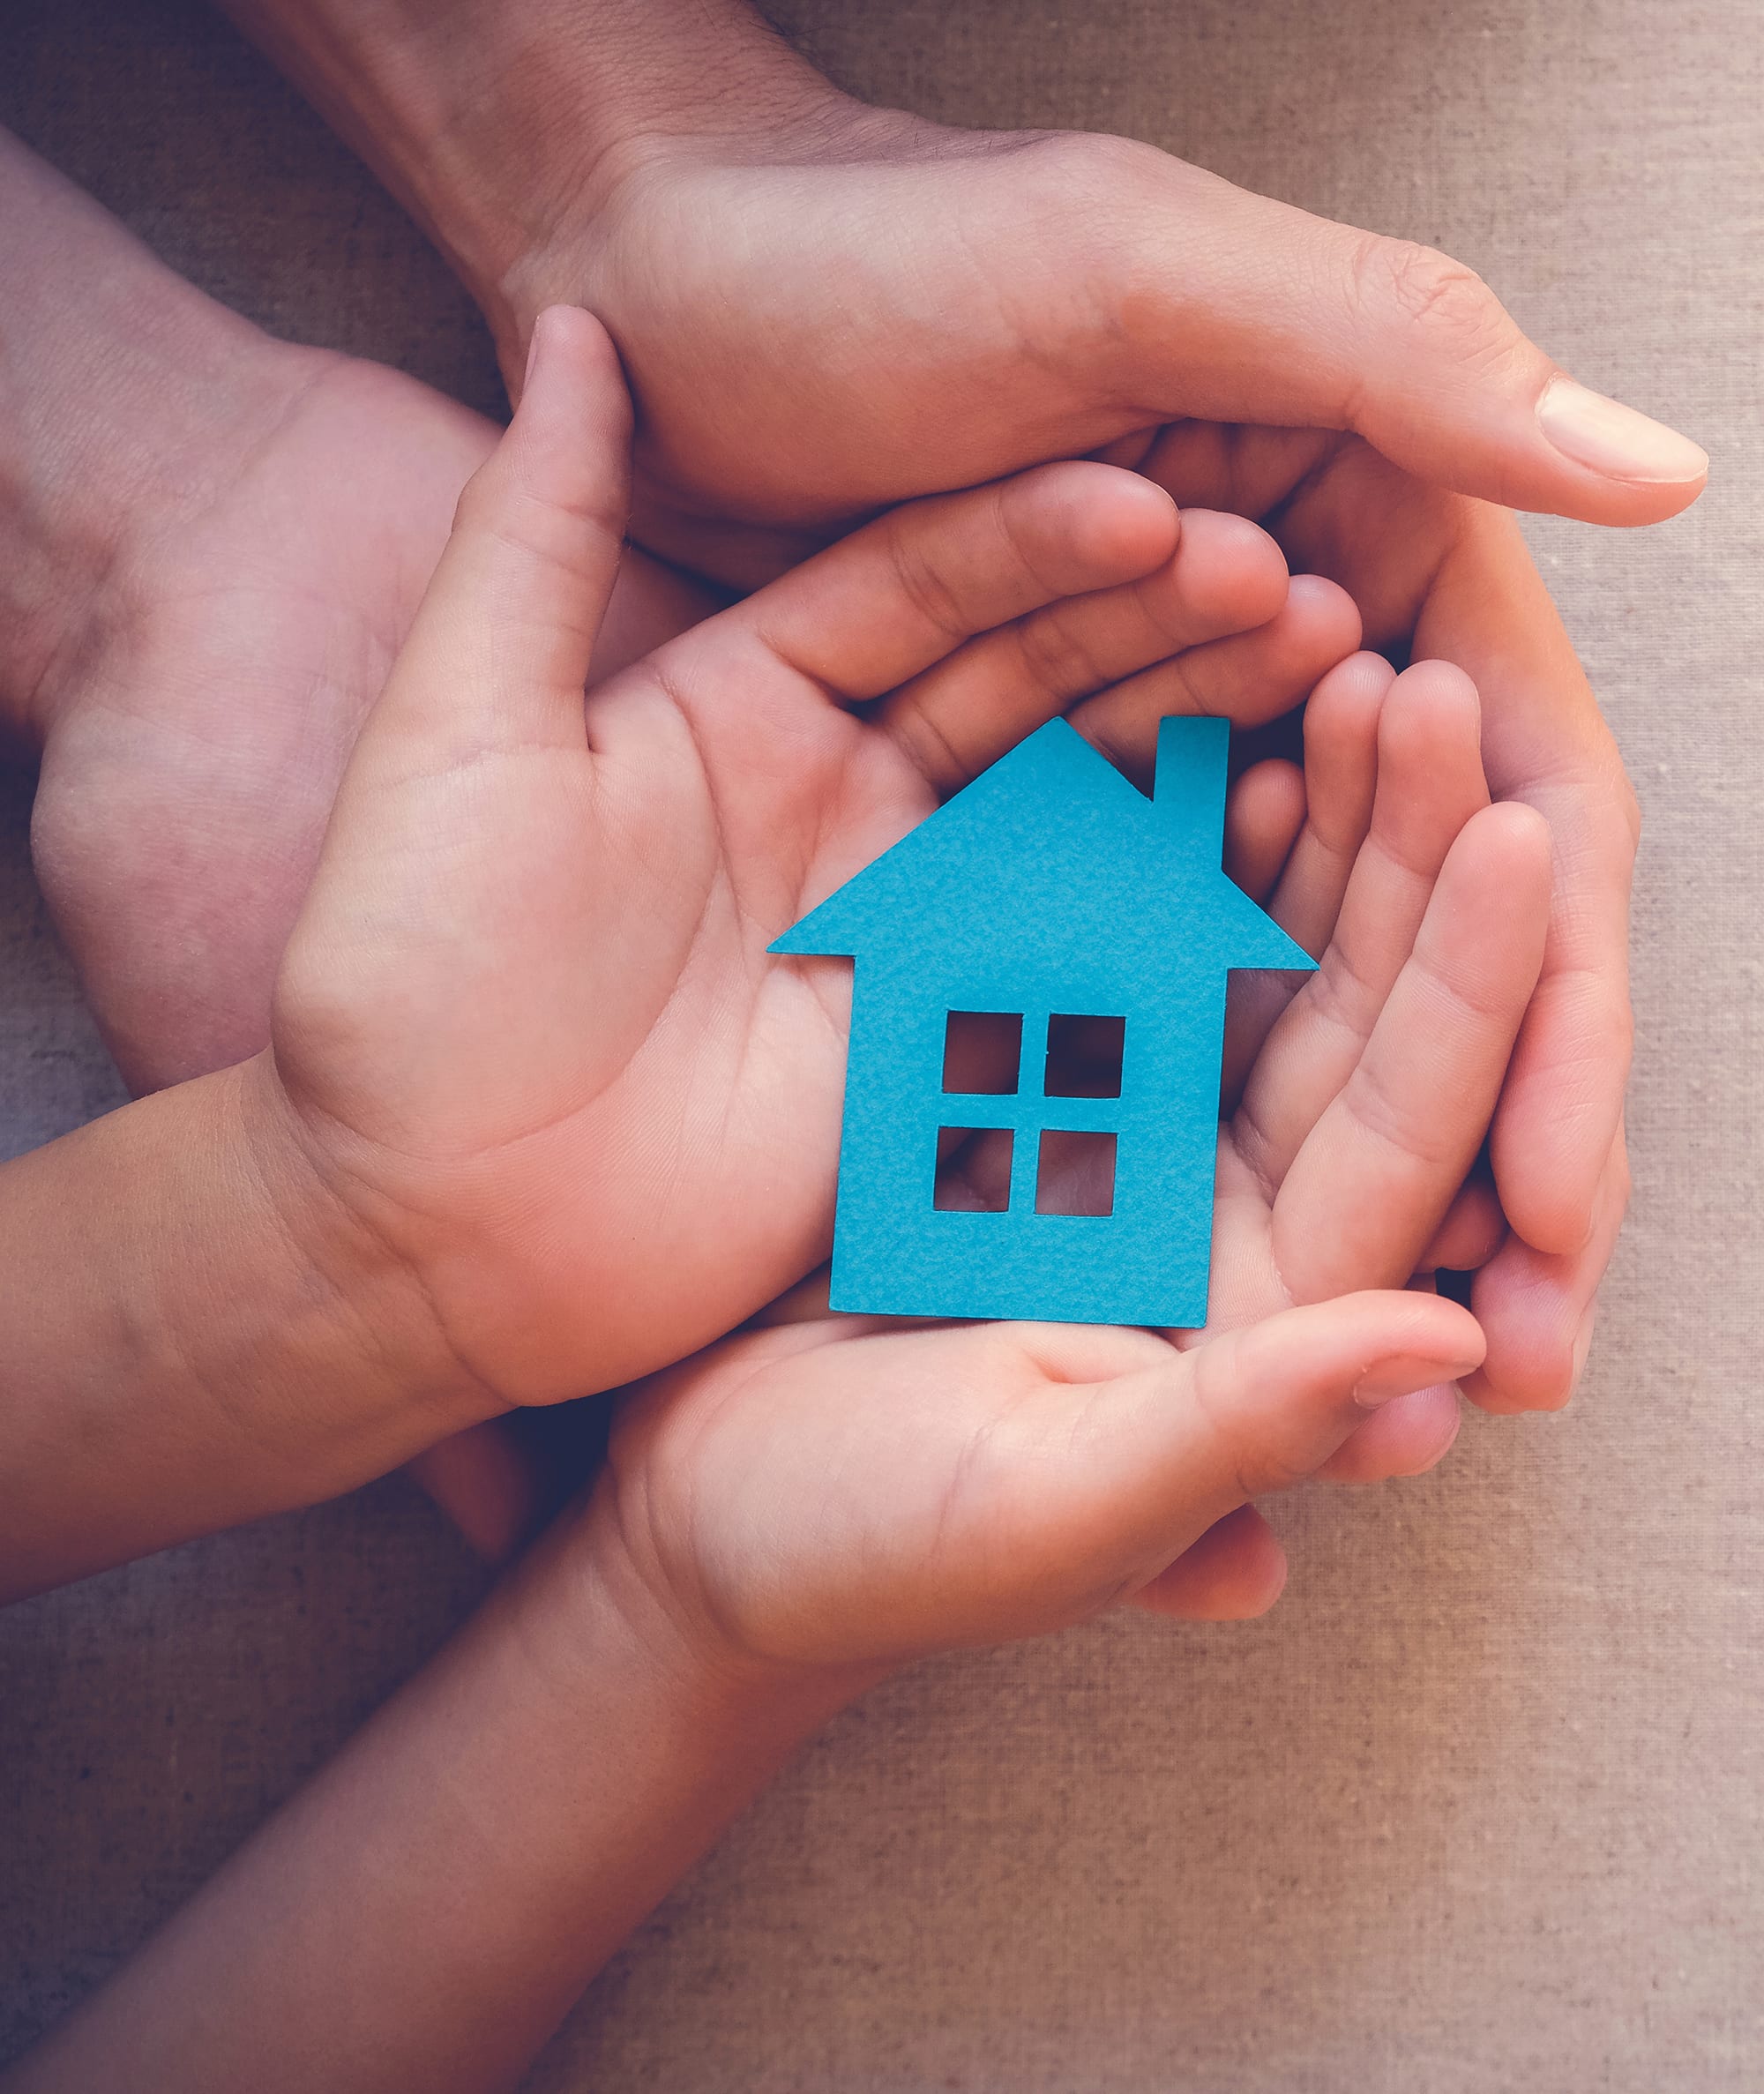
[824, 307]
[212, 547]
[1437, 575]
[880, 307]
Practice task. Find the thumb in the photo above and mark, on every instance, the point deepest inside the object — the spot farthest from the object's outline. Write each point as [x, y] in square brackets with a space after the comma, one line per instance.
[497, 657]
[1166, 1452]
[1251, 310]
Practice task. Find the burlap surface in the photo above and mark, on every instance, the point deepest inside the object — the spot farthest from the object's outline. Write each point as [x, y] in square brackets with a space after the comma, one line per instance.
[1479, 1807]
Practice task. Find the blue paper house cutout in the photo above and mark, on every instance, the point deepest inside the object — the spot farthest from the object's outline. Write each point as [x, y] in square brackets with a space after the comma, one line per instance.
[1051, 889]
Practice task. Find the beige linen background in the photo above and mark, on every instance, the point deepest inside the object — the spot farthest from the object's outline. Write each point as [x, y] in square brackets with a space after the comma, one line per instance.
[1477, 1807]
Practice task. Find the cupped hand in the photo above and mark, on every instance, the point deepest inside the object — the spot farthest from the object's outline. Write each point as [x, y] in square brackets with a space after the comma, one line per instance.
[1292, 839]
[854, 307]
[527, 1023]
[1436, 574]
[851, 1492]
[858, 307]
[840, 1494]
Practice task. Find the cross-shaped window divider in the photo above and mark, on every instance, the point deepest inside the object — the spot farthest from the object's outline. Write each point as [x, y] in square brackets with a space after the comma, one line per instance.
[1060, 1154]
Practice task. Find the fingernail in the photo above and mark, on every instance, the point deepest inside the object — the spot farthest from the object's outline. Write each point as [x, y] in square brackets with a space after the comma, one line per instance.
[1608, 438]
[539, 331]
[1583, 1344]
[1403, 1375]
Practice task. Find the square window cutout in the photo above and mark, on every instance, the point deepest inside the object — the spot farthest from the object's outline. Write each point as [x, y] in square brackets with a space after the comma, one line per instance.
[1084, 1056]
[974, 1170]
[982, 1052]
[1075, 1172]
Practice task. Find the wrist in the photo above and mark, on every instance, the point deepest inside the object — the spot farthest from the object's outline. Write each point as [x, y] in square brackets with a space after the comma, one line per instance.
[571, 247]
[373, 1330]
[109, 407]
[616, 1573]
[510, 131]
[184, 1304]
[725, 92]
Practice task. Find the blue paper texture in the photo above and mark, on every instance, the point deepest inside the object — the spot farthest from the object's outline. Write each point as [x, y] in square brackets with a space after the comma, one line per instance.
[1049, 887]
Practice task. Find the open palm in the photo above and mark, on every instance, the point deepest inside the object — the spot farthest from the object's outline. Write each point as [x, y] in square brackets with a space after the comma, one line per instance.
[847, 1490]
[526, 1018]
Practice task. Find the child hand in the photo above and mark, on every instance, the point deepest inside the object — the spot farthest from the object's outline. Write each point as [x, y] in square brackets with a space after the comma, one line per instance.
[526, 1027]
[838, 1490]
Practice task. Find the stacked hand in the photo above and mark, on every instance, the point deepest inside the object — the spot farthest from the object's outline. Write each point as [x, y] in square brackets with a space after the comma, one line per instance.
[526, 1024]
[539, 1113]
[824, 306]
[1350, 392]
[529, 1034]
[181, 806]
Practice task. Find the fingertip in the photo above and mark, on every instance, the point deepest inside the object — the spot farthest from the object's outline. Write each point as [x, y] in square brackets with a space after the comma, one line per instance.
[1431, 691]
[1118, 524]
[1537, 1387]
[1642, 471]
[568, 336]
[1408, 1437]
[1261, 1584]
[568, 446]
[573, 373]
[1331, 1362]
[1435, 1419]
[1255, 676]
[1514, 842]
[1348, 697]
[483, 1483]
[1536, 1336]
[1473, 1230]
[1556, 1140]
[1235, 1572]
[1232, 566]
[1555, 1211]
[538, 532]
[1525, 825]
[1328, 616]
[1264, 813]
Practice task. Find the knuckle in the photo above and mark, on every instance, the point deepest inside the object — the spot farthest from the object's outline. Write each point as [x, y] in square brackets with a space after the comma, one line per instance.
[918, 731]
[545, 512]
[1390, 1120]
[1095, 168]
[1471, 994]
[477, 499]
[1428, 290]
[1249, 1467]
[1038, 518]
[1056, 658]
[926, 590]
[1339, 995]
